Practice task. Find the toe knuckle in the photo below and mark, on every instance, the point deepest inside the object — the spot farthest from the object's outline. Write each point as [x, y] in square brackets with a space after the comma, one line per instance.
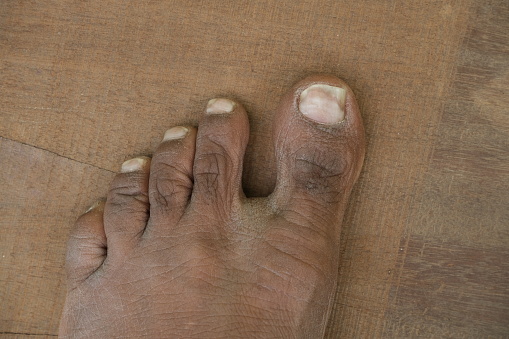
[125, 202]
[210, 167]
[169, 181]
[127, 184]
[127, 188]
[319, 174]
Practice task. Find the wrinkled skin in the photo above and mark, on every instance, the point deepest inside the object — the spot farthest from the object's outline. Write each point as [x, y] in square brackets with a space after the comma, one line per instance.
[178, 251]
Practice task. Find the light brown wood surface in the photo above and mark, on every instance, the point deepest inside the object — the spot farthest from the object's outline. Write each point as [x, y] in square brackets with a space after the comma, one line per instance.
[85, 85]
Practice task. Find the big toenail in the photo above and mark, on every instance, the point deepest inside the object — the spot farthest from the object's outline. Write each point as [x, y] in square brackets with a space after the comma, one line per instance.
[323, 103]
[220, 106]
[175, 133]
[133, 165]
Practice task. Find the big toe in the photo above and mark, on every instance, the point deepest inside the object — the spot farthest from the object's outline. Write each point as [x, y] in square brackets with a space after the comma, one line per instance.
[320, 145]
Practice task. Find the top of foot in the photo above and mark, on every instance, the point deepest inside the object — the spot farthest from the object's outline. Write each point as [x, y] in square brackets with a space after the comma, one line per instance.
[177, 250]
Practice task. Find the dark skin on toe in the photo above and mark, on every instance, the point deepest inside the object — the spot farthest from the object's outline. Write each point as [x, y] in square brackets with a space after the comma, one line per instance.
[177, 250]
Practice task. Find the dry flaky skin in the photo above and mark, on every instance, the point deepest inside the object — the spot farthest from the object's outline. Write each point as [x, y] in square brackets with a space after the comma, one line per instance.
[177, 250]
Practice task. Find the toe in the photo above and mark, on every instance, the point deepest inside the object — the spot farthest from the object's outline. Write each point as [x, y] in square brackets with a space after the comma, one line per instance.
[171, 176]
[86, 248]
[127, 206]
[221, 142]
[319, 148]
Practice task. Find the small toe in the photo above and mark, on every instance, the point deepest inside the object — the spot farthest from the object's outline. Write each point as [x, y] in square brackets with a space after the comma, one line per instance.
[171, 176]
[222, 138]
[86, 248]
[319, 139]
[127, 207]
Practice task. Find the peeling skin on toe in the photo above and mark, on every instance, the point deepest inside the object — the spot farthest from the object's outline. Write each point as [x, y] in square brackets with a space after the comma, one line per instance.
[323, 103]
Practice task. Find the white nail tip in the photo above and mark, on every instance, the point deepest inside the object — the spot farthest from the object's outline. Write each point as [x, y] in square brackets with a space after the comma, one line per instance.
[323, 103]
[133, 165]
[220, 106]
[95, 205]
[175, 133]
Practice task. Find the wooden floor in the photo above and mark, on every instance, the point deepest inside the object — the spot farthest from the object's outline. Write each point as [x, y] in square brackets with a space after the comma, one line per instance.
[85, 85]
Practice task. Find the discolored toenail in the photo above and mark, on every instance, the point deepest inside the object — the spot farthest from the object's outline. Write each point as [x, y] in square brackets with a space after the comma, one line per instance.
[220, 106]
[175, 133]
[323, 103]
[133, 165]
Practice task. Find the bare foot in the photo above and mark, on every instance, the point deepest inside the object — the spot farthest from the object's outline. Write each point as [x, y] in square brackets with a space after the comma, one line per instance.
[178, 251]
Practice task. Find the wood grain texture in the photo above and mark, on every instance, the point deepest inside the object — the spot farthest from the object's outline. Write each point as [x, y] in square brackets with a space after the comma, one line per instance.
[449, 290]
[452, 277]
[85, 85]
[45, 192]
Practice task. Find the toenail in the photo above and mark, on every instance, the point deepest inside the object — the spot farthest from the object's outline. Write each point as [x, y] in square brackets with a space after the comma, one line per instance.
[323, 103]
[133, 165]
[175, 133]
[95, 205]
[220, 106]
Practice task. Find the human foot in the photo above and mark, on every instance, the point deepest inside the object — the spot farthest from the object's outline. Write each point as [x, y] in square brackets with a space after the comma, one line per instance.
[178, 251]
